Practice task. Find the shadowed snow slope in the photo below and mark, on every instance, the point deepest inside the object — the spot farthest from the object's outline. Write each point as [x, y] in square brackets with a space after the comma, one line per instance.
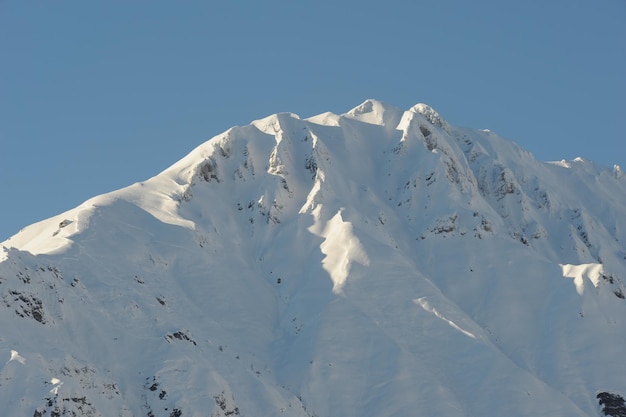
[376, 263]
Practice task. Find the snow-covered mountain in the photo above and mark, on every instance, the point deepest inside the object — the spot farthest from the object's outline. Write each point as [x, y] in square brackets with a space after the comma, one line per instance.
[376, 263]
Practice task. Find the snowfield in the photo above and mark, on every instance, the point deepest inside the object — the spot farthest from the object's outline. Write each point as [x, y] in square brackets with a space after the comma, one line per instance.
[377, 263]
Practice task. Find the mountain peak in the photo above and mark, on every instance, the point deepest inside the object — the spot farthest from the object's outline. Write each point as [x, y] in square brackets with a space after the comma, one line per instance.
[431, 115]
[326, 266]
[376, 112]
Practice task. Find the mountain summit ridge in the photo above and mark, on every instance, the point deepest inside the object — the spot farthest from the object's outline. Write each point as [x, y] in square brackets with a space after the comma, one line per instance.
[375, 263]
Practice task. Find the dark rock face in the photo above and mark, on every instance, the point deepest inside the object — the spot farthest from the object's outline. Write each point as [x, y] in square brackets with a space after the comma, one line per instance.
[612, 404]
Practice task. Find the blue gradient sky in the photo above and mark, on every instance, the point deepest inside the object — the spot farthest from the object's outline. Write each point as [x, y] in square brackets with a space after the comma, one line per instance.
[96, 95]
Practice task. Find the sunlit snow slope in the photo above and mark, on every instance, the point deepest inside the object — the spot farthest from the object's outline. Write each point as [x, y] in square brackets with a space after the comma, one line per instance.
[376, 263]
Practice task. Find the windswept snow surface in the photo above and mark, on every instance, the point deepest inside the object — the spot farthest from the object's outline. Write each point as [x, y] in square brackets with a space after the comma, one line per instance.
[376, 263]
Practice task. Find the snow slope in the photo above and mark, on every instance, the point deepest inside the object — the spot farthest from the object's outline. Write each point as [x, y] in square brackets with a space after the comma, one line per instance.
[376, 263]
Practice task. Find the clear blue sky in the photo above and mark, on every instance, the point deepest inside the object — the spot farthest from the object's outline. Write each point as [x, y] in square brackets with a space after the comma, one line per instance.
[97, 95]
